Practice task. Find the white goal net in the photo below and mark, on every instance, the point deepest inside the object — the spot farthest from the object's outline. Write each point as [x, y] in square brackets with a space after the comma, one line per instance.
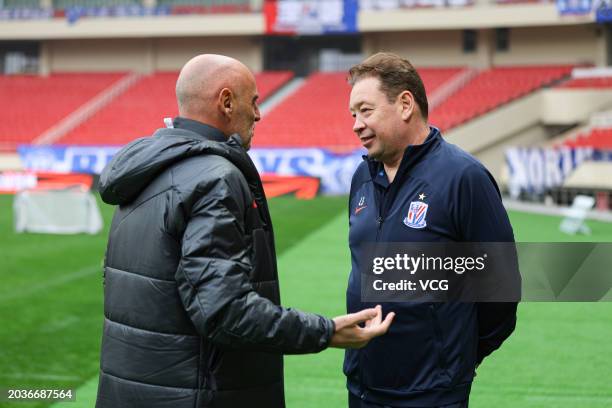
[57, 212]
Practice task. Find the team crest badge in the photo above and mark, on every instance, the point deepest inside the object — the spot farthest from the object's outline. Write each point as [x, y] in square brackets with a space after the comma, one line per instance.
[416, 215]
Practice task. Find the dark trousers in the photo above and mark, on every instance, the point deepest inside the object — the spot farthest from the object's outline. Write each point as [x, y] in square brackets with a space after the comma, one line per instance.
[356, 402]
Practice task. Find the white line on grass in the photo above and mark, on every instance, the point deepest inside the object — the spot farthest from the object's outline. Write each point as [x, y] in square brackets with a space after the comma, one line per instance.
[565, 397]
[61, 280]
[61, 324]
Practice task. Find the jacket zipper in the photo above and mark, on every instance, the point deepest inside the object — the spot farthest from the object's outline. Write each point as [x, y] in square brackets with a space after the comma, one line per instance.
[380, 219]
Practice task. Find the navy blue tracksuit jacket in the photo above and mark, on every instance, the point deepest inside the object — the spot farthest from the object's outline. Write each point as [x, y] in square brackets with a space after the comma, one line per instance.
[429, 355]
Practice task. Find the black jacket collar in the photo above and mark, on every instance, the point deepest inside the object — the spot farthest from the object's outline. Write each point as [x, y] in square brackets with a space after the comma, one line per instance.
[137, 164]
[412, 156]
[206, 131]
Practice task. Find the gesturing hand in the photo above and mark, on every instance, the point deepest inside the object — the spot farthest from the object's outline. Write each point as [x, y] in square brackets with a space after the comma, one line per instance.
[349, 334]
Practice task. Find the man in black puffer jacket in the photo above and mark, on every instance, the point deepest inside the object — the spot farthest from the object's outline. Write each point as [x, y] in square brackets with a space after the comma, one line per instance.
[191, 298]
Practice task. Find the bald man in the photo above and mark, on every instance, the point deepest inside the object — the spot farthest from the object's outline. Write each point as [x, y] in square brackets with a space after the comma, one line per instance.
[191, 296]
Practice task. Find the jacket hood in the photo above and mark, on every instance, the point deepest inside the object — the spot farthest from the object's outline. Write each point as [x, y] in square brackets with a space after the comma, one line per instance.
[136, 165]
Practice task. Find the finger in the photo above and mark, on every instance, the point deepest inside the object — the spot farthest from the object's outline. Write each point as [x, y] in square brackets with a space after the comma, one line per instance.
[387, 322]
[361, 316]
[382, 328]
[376, 319]
[350, 319]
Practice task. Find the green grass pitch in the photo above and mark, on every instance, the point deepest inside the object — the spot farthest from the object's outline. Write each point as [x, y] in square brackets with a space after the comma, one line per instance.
[51, 308]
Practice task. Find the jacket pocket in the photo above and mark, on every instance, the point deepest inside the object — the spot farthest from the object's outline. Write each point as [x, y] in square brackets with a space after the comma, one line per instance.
[409, 358]
[237, 369]
[438, 340]
[261, 257]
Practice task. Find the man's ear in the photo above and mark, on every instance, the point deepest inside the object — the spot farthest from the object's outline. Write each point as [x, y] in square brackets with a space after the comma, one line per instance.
[407, 103]
[226, 102]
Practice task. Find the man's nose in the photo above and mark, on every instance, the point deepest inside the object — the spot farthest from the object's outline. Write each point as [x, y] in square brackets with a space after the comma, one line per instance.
[358, 126]
[257, 114]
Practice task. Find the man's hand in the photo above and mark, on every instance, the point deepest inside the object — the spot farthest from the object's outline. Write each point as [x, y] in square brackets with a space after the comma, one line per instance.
[350, 335]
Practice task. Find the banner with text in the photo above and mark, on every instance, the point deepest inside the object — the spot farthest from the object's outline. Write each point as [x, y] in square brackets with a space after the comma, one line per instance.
[534, 169]
[310, 16]
[574, 7]
[334, 170]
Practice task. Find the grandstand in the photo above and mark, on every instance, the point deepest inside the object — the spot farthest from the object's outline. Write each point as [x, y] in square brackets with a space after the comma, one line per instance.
[301, 120]
[128, 113]
[329, 126]
[501, 72]
[597, 138]
[596, 83]
[492, 88]
[31, 104]
[140, 110]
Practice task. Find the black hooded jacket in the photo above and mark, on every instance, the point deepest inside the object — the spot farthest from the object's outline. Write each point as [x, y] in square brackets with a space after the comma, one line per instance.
[191, 296]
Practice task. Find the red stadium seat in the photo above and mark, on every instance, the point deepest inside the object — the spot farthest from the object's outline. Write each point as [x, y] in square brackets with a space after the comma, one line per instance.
[597, 138]
[317, 114]
[141, 109]
[589, 83]
[491, 89]
[31, 104]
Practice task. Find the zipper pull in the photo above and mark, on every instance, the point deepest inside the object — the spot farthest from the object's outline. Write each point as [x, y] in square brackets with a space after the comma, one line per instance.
[379, 220]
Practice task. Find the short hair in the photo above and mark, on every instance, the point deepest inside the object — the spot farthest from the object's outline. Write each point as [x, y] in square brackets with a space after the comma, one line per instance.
[396, 74]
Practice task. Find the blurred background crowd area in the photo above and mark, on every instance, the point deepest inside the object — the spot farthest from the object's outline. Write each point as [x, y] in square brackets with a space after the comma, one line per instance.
[523, 85]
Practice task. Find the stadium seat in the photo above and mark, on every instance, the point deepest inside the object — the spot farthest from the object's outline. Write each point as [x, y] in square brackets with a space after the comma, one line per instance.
[491, 89]
[317, 114]
[597, 138]
[32, 104]
[581, 83]
[141, 109]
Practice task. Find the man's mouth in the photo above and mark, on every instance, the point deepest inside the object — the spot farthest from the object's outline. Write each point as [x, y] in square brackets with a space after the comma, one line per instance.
[366, 140]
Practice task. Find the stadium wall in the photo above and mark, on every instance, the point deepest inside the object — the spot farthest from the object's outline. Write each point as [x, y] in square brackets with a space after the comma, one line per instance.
[476, 17]
[493, 157]
[135, 27]
[422, 48]
[570, 106]
[143, 55]
[578, 44]
[524, 123]
[488, 134]
[171, 53]
[564, 45]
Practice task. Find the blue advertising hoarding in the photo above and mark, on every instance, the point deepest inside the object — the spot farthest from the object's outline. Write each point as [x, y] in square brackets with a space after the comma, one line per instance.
[311, 16]
[334, 170]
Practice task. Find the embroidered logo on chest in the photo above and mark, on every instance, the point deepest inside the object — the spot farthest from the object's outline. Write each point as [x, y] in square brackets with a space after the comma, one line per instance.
[361, 205]
[416, 215]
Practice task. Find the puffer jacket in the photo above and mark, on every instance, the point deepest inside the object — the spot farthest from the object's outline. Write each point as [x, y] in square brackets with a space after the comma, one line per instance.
[191, 295]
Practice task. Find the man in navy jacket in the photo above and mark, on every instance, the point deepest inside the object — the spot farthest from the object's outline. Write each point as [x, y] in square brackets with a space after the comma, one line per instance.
[429, 356]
